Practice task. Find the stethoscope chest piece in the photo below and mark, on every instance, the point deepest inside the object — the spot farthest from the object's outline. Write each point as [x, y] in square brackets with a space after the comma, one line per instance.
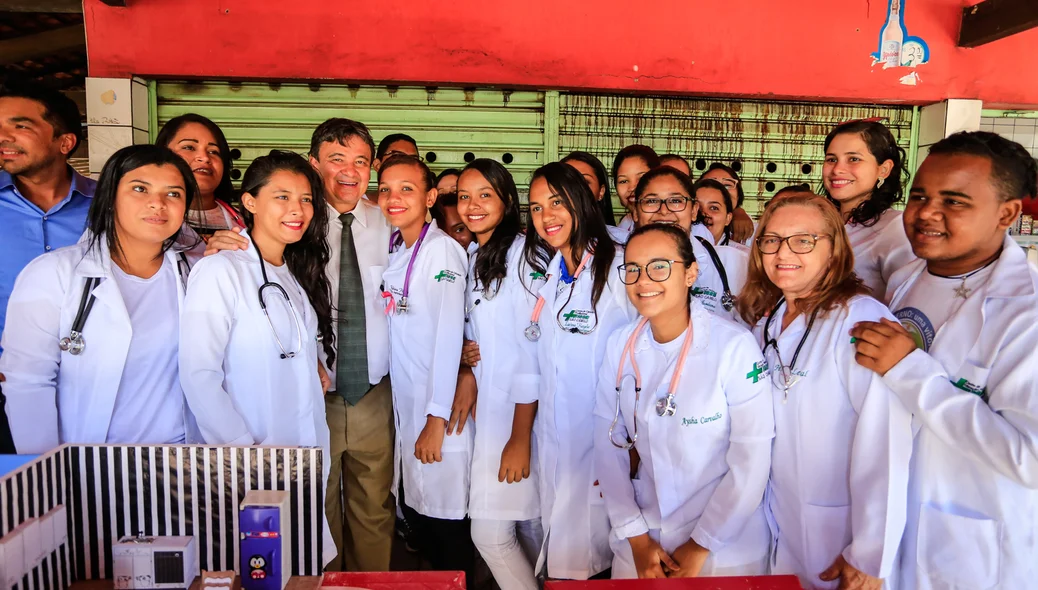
[533, 332]
[72, 344]
[401, 307]
[665, 406]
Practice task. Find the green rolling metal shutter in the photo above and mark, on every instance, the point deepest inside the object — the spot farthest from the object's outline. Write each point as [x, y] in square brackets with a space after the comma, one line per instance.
[772, 144]
[450, 125]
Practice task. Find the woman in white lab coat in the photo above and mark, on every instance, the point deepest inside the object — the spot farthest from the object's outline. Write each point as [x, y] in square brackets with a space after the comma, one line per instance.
[629, 165]
[864, 175]
[715, 208]
[839, 470]
[90, 347]
[255, 318]
[424, 294]
[583, 303]
[678, 385]
[503, 501]
[666, 195]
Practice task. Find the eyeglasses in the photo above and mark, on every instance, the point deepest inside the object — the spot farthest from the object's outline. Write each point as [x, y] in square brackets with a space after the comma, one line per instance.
[798, 243]
[674, 204]
[658, 270]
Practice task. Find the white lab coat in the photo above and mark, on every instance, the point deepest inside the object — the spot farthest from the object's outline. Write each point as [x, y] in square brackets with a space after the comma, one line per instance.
[709, 287]
[839, 469]
[425, 355]
[703, 471]
[497, 324]
[239, 390]
[576, 526]
[973, 499]
[54, 397]
[880, 250]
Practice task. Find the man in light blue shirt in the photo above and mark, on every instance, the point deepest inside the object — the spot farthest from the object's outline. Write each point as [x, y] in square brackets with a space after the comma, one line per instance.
[43, 201]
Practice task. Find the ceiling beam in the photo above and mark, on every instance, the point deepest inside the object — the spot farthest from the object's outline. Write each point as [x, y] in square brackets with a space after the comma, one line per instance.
[64, 6]
[114, 2]
[992, 20]
[38, 45]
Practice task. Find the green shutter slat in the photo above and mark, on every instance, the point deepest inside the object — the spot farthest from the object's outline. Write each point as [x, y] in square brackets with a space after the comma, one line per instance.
[449, 122]
[753, 133]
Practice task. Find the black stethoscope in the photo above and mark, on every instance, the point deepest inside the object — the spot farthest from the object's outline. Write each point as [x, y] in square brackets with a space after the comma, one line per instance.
[74, 343]
[267, 284]
[727, 300]
[789, 378]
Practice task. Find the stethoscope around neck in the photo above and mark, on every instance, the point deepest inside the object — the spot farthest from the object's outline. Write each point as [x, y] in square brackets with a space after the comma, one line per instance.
[533, 331]
[267, 284]
[665, 406]
[74, 343]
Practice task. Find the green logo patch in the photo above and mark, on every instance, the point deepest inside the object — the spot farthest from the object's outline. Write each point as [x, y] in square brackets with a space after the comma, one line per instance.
[759, 368]
[534, 276]
[446, 275]
[576, 315]
[968, 387]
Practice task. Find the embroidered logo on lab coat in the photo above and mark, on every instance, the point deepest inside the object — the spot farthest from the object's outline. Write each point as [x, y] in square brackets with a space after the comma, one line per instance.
[970, 387]
[446, 275]
[576, 318]
[760, 369]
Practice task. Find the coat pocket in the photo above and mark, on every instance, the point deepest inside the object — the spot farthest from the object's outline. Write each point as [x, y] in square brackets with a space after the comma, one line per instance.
[962, 551]
[828, 533]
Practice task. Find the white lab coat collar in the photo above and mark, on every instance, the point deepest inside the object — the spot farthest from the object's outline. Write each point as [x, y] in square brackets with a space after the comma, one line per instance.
[1010, 278]
[700, 321]
[97, 263]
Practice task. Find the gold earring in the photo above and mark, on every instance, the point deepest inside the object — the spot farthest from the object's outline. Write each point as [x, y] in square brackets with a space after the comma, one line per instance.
[880, 183]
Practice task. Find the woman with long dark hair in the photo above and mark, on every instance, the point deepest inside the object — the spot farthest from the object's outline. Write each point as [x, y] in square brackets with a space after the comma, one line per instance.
[203, 146]
[864, 175]
[90, 346]
[503, 501]
[256, 317]
[715, 211]
[839, 468]
[581, 303]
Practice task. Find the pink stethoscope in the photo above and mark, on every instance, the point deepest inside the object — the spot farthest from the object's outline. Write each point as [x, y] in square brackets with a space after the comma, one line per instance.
[664, 406]
[533, 331]
[395, 239]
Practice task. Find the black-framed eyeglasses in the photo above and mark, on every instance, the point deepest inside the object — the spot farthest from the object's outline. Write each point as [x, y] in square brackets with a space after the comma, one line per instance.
[798, 243]
[674, 204]
[658, 270]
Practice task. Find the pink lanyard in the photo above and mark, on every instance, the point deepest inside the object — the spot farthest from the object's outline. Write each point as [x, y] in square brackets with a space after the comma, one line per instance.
[533, 331]
[664, 406]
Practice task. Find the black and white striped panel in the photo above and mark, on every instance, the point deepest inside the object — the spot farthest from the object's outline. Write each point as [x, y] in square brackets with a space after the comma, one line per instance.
[189, 490]
[31, 492]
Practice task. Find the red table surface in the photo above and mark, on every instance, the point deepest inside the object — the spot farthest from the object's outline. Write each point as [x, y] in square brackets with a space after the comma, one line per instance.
[735, 583]
[427, 580]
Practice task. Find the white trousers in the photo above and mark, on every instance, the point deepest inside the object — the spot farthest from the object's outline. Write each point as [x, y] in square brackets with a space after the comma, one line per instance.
[510, 549]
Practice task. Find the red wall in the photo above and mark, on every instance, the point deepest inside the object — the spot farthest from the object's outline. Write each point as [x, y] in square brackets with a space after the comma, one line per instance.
[777, 48]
